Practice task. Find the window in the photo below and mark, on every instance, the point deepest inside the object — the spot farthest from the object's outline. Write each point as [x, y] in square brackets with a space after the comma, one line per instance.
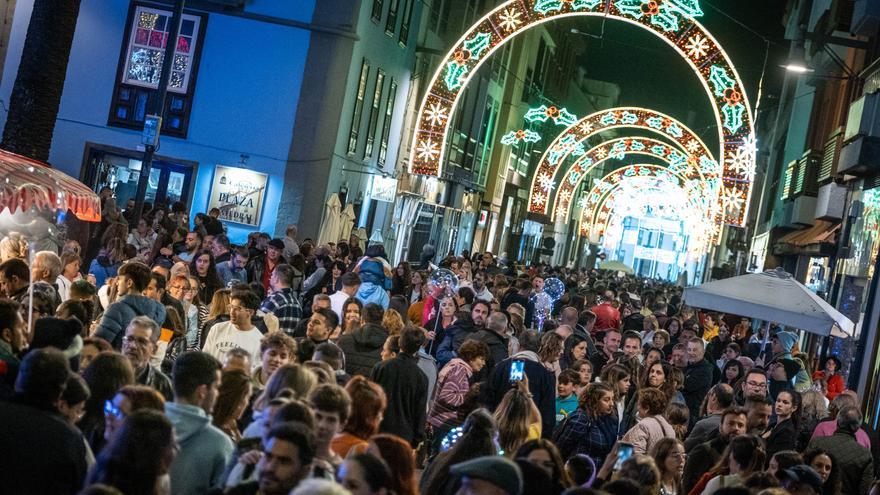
[386, 124]
[374, 114]
[376, 15]
[358, 107]
[146, 49]
[140, 67]
[391, 22]
[407, 17]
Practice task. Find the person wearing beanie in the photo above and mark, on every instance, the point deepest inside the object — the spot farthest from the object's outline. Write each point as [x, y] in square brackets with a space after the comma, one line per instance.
[783, 369]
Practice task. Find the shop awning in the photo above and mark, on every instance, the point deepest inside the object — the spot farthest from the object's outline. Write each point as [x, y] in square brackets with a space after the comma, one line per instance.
[818, 235]
[821, 231]
[27, 183]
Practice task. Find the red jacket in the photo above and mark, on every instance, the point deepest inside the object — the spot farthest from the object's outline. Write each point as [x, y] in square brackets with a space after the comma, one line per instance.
[607, 316]
[835, 384]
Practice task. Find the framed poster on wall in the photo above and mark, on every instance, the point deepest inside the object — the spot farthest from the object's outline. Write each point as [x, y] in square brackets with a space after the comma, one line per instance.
[238, 193]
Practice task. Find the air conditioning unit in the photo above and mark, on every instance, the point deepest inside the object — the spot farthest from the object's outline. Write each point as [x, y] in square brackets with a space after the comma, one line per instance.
[865, 17]
[861, 150]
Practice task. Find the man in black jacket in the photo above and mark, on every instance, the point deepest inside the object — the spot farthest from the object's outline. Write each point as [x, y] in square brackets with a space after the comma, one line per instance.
[406, 387]
[363, 347]
[460, 330]
[494, 336]
[542, 382]
[697, 377]
[704, 456]
[42, 452]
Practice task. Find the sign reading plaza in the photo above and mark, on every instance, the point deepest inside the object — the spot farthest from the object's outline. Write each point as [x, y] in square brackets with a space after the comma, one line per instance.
[238, 193]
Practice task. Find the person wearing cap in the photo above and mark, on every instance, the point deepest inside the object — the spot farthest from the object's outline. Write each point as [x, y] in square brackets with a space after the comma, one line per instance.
[830, 373]
[488, 475]
[782, 367]
[261, 266]
[800, 480]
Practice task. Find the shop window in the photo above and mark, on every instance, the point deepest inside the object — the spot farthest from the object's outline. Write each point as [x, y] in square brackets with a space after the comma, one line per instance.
[386, 124]
[140, 67]
[374, 114]
[358, 107]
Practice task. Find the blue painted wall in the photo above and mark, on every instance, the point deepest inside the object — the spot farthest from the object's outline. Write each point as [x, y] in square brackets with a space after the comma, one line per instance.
[245, 98]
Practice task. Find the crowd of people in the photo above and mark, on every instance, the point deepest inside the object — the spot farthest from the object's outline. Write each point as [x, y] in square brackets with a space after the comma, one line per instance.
[162, 359]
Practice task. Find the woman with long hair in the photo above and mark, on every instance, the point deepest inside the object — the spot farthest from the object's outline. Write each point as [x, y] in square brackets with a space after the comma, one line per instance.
[743, 456]
[392, 322]
[550, 351]
[592, 428]
[351, 315]
[336, 271]
[368, 403]
[518, 418]
[619, 378]
[673, 328]
[232, 400]
[417, 286]
[477, 439]
[544, 454]
[401, 280]
[139, 455]
[733, 373]
[826, 466]
[217, 313]
[657, 376]
[108, 261]
[398, 454]
[574, 349]
[192, 306]
[669, 456]
[783, 434]
[444, 316]
[106, 374]
[203, 268]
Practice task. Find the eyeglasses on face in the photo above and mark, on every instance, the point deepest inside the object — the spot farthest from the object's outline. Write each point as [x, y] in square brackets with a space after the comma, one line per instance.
[141, 341]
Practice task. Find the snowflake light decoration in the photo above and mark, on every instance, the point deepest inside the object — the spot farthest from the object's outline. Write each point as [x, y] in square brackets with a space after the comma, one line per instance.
[697, 46]
[733, 201]
[740, 162]
[545, 181]
[510, 20]
[437, 114]
[586, 127]
[428, 150]
[539, 199]
[692, 146]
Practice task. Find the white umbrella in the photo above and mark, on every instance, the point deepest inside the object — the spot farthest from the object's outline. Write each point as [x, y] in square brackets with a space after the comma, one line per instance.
[330, 224]
[615, 266]
[347, 222]
[773, 296]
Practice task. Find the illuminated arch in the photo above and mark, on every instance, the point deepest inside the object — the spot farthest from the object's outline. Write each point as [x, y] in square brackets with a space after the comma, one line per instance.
[671, 20]
[678, 161]
[596, 210]
[570, 143]
[673, 203]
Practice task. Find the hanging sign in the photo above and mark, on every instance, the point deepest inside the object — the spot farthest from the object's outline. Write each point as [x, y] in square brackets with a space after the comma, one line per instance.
[238, 193]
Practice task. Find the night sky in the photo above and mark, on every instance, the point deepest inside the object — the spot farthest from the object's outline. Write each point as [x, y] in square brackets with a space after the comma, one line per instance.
[651, 74]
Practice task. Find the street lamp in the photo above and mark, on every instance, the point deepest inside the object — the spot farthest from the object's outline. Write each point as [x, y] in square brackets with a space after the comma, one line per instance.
[797, 63]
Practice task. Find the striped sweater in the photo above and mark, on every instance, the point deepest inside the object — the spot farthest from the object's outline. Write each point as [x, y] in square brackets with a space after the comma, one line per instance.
[453, 384]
